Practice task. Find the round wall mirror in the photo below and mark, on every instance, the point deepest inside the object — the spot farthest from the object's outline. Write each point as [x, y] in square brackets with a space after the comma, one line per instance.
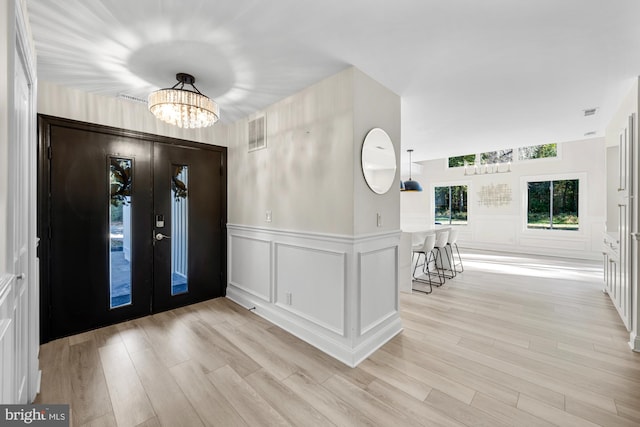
[378, 161]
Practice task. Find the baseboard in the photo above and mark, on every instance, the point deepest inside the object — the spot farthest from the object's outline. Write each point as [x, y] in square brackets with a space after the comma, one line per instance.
[321, 338]
[634, 342]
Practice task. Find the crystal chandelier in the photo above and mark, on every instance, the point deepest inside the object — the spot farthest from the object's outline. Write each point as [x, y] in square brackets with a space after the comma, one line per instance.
[184, 107]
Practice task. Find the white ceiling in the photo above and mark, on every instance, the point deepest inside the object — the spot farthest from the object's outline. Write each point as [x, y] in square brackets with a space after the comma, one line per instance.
[473, 75]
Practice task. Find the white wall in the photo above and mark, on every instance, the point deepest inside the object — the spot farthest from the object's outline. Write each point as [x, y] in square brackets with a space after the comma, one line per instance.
[628, 105]
[503, 227]
[310, 175]
[68, 103]
[374, 106]
[305, 175]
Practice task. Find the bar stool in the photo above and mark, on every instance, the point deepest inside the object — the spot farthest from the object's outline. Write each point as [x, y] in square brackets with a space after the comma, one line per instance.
[429, 256]
[442, 237]
[451, 242]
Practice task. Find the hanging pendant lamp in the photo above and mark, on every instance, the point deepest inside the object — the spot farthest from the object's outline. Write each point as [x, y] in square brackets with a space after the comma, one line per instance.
[410, 185]
[182, 107]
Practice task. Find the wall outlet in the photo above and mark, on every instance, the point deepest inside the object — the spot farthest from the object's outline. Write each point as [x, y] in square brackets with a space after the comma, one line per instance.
[288, 297]
[267, 216]
[379, 219]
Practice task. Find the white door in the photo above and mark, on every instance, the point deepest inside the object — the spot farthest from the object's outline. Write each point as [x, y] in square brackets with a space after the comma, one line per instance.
[19, 197]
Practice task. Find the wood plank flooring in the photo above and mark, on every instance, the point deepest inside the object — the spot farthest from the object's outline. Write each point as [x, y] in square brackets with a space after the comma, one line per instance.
[512, 341]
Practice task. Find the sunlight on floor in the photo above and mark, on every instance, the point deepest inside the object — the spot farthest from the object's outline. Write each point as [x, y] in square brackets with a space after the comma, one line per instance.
[494, 262]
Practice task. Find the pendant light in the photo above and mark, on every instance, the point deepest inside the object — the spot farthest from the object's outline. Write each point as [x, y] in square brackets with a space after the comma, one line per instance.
[410, 185]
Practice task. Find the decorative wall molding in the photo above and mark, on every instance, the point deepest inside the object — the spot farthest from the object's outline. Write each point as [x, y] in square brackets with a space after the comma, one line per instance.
[375, 264]
[251, 280]
[8, 391]
[306, 270]
[338, 293]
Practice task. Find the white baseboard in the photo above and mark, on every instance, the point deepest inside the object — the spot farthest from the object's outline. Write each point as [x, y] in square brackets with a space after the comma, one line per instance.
[634, 342]
[310, 333]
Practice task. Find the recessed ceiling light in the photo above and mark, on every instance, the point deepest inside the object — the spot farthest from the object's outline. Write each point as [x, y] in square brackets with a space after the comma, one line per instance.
[589, 111]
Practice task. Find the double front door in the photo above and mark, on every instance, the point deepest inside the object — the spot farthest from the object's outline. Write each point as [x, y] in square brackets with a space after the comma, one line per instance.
[135, 225]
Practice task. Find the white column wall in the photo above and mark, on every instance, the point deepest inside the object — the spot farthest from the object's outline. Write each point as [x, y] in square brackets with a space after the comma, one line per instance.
[319, 266]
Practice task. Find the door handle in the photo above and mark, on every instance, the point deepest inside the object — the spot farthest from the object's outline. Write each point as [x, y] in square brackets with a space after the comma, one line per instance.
[20, 276]
[161, 236]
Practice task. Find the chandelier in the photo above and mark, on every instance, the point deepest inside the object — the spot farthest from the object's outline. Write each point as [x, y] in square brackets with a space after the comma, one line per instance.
[182, 107]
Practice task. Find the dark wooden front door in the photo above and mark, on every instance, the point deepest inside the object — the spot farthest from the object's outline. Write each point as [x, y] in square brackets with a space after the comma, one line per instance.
[130, 224]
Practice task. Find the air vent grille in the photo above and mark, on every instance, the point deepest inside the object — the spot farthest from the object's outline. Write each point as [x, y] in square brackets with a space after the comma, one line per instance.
[590, 111]
[257, 130]
[132, 98]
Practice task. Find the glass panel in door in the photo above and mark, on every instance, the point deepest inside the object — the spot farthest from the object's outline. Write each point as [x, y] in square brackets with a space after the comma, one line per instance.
[179, 229]
[120, 184]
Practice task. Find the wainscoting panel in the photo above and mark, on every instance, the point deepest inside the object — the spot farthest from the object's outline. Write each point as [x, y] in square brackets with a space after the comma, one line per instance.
[251, 265]
[338, 293]
[311, 283]
[378, 300]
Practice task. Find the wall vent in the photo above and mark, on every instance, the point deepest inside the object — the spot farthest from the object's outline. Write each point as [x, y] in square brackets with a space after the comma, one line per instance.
[132, 98]
[593, 132]
[257, 130]
[590, 111]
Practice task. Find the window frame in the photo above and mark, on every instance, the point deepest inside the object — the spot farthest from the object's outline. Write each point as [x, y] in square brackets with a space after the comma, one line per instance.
[582, 203]
[470, 200]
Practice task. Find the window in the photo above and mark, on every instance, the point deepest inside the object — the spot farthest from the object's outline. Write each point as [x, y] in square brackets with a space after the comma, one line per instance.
[538, 151]
[451, 204]
[553, 205]
[500, 156]
[459, 161]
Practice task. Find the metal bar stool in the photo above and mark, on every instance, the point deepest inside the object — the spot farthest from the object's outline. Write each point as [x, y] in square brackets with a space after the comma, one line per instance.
[451, 243]
[442, 237]
[427, 251]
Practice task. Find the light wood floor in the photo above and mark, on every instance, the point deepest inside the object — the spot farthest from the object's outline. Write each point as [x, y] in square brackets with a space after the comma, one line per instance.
[510, 342]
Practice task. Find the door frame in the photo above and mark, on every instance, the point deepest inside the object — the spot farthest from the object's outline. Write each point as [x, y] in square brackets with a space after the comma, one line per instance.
[45, 123]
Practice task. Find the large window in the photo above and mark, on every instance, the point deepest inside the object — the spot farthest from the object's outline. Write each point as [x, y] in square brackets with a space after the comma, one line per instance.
[451, 204]
[553, 205]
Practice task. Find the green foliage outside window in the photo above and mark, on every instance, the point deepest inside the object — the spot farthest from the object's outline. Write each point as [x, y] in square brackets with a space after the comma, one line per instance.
[538, 151]
[553, 205]
[459, 161]
[451, 204]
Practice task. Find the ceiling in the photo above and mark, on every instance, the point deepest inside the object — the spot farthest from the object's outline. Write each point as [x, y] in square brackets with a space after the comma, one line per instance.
[472, 75]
